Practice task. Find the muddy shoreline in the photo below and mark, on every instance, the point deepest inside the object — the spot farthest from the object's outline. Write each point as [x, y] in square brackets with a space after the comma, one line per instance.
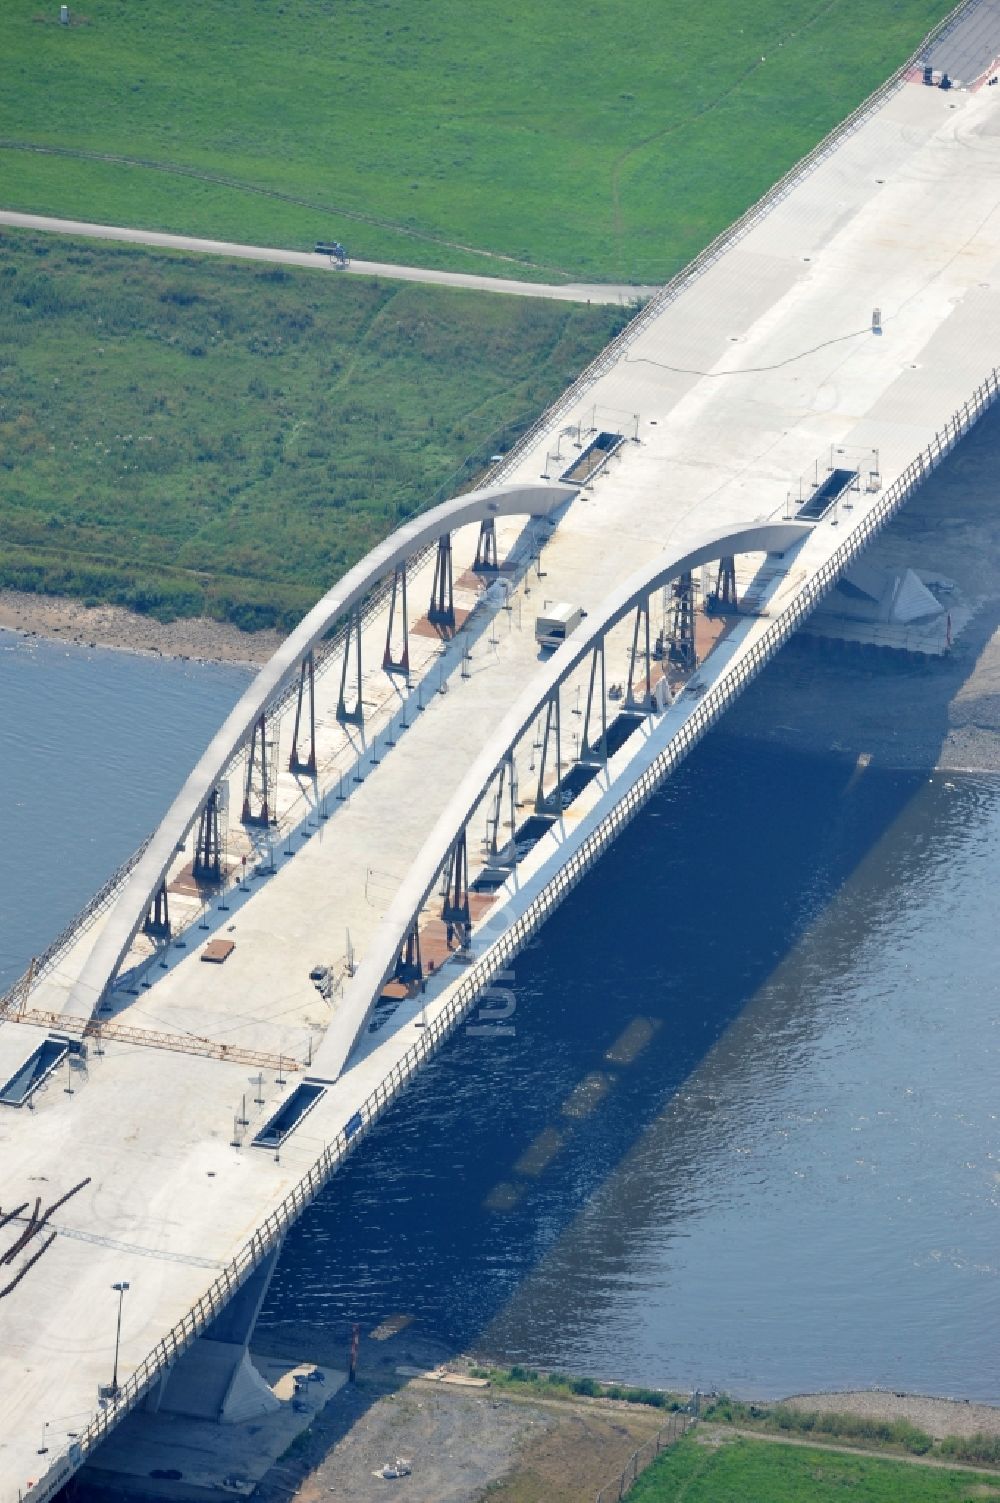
[190, 639]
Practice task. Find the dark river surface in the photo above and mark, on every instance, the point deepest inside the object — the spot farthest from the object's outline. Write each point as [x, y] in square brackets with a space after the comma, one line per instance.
[742, 1129]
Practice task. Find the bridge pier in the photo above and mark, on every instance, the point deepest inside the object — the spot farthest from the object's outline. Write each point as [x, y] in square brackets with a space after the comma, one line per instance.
[258, 786]
[351, 715]
[507, 778]
[157, 921]
[214, 1378]
[681, 646]
[487, 560]
[307, 681]
[641, 616]
[723, 599]
[455, 908]
[553, 723]
[391, 664]
[600, 747]
[409, 966]
[208, 843]
[442, 607]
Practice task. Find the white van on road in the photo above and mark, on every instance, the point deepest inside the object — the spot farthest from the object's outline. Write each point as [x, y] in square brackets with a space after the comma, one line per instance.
[557, 623]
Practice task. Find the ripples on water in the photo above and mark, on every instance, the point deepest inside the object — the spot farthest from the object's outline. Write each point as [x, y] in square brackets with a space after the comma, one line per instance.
[785, 1176]
[791, 1184]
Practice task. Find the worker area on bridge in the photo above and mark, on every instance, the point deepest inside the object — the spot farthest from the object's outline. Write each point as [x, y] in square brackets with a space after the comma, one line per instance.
[421, 785]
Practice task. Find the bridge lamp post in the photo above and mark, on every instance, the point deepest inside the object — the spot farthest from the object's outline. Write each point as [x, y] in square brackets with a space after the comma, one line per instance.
[120, 1289]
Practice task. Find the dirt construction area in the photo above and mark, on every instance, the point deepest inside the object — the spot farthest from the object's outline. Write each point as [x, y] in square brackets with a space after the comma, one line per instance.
[463, 1444]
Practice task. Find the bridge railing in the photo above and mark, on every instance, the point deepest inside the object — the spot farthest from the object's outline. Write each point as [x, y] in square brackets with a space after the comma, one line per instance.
[510, 943]
[722, 243]
[15, 997]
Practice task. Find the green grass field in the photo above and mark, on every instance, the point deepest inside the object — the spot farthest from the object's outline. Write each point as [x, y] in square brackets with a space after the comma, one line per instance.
[752, 1471]
[604, 140]
[186, 434]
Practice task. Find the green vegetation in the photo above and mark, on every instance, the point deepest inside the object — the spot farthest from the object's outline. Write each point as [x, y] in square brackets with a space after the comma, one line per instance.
[752, 1471]
[977, 1450]
[860, 1429]
[558, 1386]
[608, 141]
[853, 1429]
[186, 435]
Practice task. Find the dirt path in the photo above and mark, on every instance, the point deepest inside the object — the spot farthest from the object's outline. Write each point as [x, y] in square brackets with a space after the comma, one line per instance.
[570, 292]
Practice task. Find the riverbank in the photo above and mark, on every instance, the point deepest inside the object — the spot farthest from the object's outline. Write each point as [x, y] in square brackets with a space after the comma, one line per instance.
[519, 1442]
[195, 639]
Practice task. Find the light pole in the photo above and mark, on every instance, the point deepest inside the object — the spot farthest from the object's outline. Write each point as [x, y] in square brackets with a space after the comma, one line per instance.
[120, 1288]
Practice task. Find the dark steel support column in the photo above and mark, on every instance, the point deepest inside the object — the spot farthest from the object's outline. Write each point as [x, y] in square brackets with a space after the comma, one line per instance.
[442, 606]
[208, 845]
[486, 547]
[401, 664]
[641, 615]
[157, 920]
[553, 721]
[601, 747]
[681, 648]
[408, 964]
[307, 681]
[507, 779]
[356, 714]
[723, 598]
[257, 764]
[455, 909]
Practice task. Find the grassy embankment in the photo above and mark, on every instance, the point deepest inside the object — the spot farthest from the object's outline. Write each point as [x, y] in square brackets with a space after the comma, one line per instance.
[609, 142]
[753, 1471]
[185, 435]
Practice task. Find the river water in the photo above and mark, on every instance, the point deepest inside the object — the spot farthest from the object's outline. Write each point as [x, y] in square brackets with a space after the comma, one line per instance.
[740, 1127]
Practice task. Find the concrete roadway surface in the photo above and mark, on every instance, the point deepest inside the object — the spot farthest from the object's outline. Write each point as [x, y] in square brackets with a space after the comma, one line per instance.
[570, 292]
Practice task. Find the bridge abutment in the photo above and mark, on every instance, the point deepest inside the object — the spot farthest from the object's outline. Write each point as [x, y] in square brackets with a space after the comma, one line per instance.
[215, 1379]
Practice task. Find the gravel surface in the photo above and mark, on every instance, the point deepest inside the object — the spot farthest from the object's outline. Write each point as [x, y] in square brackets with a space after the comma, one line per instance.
[64, 620]
[939, 1417]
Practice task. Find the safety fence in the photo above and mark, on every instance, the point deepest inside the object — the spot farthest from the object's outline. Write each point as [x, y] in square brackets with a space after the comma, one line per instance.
[512, 941]
[667, 1435]
[722, 243]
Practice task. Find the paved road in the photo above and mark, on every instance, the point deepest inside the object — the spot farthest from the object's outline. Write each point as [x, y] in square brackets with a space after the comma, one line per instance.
[575, 292]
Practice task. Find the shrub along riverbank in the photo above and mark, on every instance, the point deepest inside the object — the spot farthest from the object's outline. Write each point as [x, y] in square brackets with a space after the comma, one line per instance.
[863, 1430]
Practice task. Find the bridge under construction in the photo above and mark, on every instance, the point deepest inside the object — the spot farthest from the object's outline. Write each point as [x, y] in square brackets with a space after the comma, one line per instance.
[413, 783]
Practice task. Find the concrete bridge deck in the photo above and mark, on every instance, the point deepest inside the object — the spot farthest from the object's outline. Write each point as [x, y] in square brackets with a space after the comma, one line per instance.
[729, 394]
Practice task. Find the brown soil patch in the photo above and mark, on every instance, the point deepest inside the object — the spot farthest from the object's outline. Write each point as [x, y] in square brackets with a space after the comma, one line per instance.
[572, 1459]
[425, 628]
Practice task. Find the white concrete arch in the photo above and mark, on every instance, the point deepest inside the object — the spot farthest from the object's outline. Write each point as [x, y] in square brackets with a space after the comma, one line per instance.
[379, 962]
[127, 915]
